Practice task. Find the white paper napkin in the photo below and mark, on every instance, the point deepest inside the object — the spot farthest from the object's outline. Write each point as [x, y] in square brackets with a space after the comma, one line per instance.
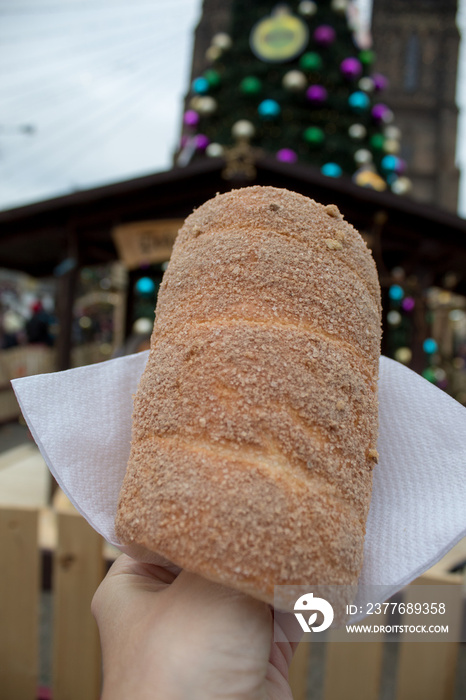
[81, 421]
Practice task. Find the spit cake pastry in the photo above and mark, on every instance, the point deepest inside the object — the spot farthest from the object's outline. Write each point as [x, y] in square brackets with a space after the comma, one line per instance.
[255, 422]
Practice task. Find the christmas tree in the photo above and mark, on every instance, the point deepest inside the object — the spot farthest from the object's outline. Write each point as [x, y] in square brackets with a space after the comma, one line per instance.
[295, 80]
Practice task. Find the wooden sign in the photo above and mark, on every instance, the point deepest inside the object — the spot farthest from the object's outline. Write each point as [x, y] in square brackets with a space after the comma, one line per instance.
[143, 242]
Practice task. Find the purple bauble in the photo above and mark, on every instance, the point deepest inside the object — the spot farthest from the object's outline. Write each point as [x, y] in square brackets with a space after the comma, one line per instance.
[378, 111]
[202, 141]
[191, 118]
[351, 68]
[401, 167]
[325, 35]
[408, 304]
[316, 94]
[380, 82]
[286, 155]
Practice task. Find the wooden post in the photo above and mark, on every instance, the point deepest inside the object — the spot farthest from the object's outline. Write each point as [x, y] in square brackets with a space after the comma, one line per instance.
[67, 276]
[427, 670]
[299, 671]
[78, 570]
[353, 669]
[19, 603]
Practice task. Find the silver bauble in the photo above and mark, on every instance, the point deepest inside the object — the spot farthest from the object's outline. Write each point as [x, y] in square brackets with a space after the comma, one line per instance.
[222, 41]
[363, 156]
[307, 8]
[357, 131]
[243, 129]
[294, 80]
[214, 150]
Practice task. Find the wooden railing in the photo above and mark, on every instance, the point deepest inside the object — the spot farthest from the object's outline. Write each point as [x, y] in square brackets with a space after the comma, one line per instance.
[351, 671]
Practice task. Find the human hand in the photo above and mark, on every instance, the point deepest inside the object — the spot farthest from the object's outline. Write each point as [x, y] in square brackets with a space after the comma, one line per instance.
[185, 638]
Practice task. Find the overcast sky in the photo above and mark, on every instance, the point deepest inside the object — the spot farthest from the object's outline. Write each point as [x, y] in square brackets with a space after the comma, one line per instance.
[101, 84]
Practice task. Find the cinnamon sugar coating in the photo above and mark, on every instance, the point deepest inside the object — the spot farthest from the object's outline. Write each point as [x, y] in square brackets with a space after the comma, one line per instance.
[255, 421]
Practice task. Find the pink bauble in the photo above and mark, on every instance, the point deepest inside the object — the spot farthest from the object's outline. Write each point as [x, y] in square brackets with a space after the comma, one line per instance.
[286, 155]
[202, 141]
[191, 118]
[324, 35]
[351, 68]
[316, 94]
[380, 82]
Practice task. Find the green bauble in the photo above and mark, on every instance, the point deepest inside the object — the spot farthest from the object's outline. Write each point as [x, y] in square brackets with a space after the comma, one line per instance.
[212, 77]
[250, 85]
[367, 57]
[310, 61]
[313, 135]
[378, 141]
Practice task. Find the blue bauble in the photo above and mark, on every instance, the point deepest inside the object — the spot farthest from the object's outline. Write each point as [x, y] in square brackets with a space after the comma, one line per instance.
[331, 170]
[390, 163]
[145, 286]
[396, 292]
[429, 346]
[359, 101]
[269, 109]
[200, 86]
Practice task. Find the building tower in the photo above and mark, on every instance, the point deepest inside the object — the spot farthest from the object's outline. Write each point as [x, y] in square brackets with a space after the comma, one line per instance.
[416, 45]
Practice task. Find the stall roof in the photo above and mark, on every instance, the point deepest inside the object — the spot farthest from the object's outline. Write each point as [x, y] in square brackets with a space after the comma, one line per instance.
[38, 237]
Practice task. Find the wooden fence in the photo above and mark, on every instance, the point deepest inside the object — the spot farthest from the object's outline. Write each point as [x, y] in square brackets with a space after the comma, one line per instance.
[351, 670]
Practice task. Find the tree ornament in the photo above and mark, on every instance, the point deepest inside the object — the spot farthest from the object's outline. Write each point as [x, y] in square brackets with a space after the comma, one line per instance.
[403, 355]
[357, 131]
[430, 346]
[380, 82]
[200, 86]
[145, 286]
[243, 129]
[392, 132]
[366, 84]
[395, 292]
[351, 68]
[269, 109]
[214, 150]
[279, 37]
[206, 105]
[402, 185]
[307, 8]
[313, 135]
[401, 166]
[213, 77]
[286, 155]
[389, 163]
[222, 41]
[194, 102]
[202, 141]
[331, 170]
[391, 146]
[408, 304]
[324, 35]
[363, 156]
[250, 85]
[377, 141]
[359, 101]
[378, 111]
[310, 61]
[366, 177]
[191, 118]
[388, 117]
[339, 6]
[316, 94]
[367, 57]
[294, 80]
[213, 53]
[394, 317]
